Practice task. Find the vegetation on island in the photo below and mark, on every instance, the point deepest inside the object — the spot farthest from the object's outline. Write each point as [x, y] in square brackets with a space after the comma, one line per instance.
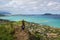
[48, 14]
[11, 30]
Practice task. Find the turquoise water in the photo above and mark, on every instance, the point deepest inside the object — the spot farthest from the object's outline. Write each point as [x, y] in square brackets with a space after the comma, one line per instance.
[53, 21]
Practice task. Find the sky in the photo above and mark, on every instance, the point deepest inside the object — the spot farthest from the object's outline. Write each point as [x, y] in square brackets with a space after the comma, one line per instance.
[30, 6]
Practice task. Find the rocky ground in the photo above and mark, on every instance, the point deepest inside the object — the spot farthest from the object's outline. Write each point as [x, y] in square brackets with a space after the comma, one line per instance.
[33, 31]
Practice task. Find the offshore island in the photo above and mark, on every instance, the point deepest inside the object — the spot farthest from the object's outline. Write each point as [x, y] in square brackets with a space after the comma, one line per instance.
[12, 30]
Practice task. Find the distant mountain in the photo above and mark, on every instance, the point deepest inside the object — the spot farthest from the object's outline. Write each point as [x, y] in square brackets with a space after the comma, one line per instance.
[47, 14]
[4, 13]
[50, 14]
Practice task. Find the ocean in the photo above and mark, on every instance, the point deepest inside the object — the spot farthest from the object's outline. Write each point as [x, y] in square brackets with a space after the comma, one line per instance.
[53, 21]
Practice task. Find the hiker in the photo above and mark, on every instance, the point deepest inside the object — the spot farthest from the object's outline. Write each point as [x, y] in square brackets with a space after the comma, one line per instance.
[23, 25]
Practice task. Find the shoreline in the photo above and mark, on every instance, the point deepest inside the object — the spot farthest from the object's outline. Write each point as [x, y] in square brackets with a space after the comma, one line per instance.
[26, 21]
[44, 20]
[35, 31]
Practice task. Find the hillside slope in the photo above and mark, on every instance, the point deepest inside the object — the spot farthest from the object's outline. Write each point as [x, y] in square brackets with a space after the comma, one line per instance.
[32, 31]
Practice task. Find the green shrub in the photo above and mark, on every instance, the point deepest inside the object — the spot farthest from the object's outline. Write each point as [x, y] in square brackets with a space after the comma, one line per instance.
[5, 33]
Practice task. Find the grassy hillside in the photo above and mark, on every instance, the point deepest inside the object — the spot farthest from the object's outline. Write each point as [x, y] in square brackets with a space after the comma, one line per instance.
[10, 30]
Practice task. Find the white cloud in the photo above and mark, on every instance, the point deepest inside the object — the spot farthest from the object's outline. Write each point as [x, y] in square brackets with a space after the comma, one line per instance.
[53, 5]
[31, 5]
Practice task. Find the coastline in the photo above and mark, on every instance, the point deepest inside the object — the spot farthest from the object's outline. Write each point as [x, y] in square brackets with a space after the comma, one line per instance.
[34, 29]
[45, 20]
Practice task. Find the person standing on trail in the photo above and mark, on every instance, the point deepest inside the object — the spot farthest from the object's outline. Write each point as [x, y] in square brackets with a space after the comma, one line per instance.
[23, 25]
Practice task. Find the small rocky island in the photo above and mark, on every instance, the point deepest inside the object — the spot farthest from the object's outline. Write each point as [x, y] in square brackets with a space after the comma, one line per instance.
[32, 31]
[47, 14]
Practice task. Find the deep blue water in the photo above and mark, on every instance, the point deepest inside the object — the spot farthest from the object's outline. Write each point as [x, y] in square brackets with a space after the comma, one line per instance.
[53, 21]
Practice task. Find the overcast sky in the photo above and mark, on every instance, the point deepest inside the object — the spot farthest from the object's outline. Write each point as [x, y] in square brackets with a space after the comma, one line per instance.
[30, 6]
